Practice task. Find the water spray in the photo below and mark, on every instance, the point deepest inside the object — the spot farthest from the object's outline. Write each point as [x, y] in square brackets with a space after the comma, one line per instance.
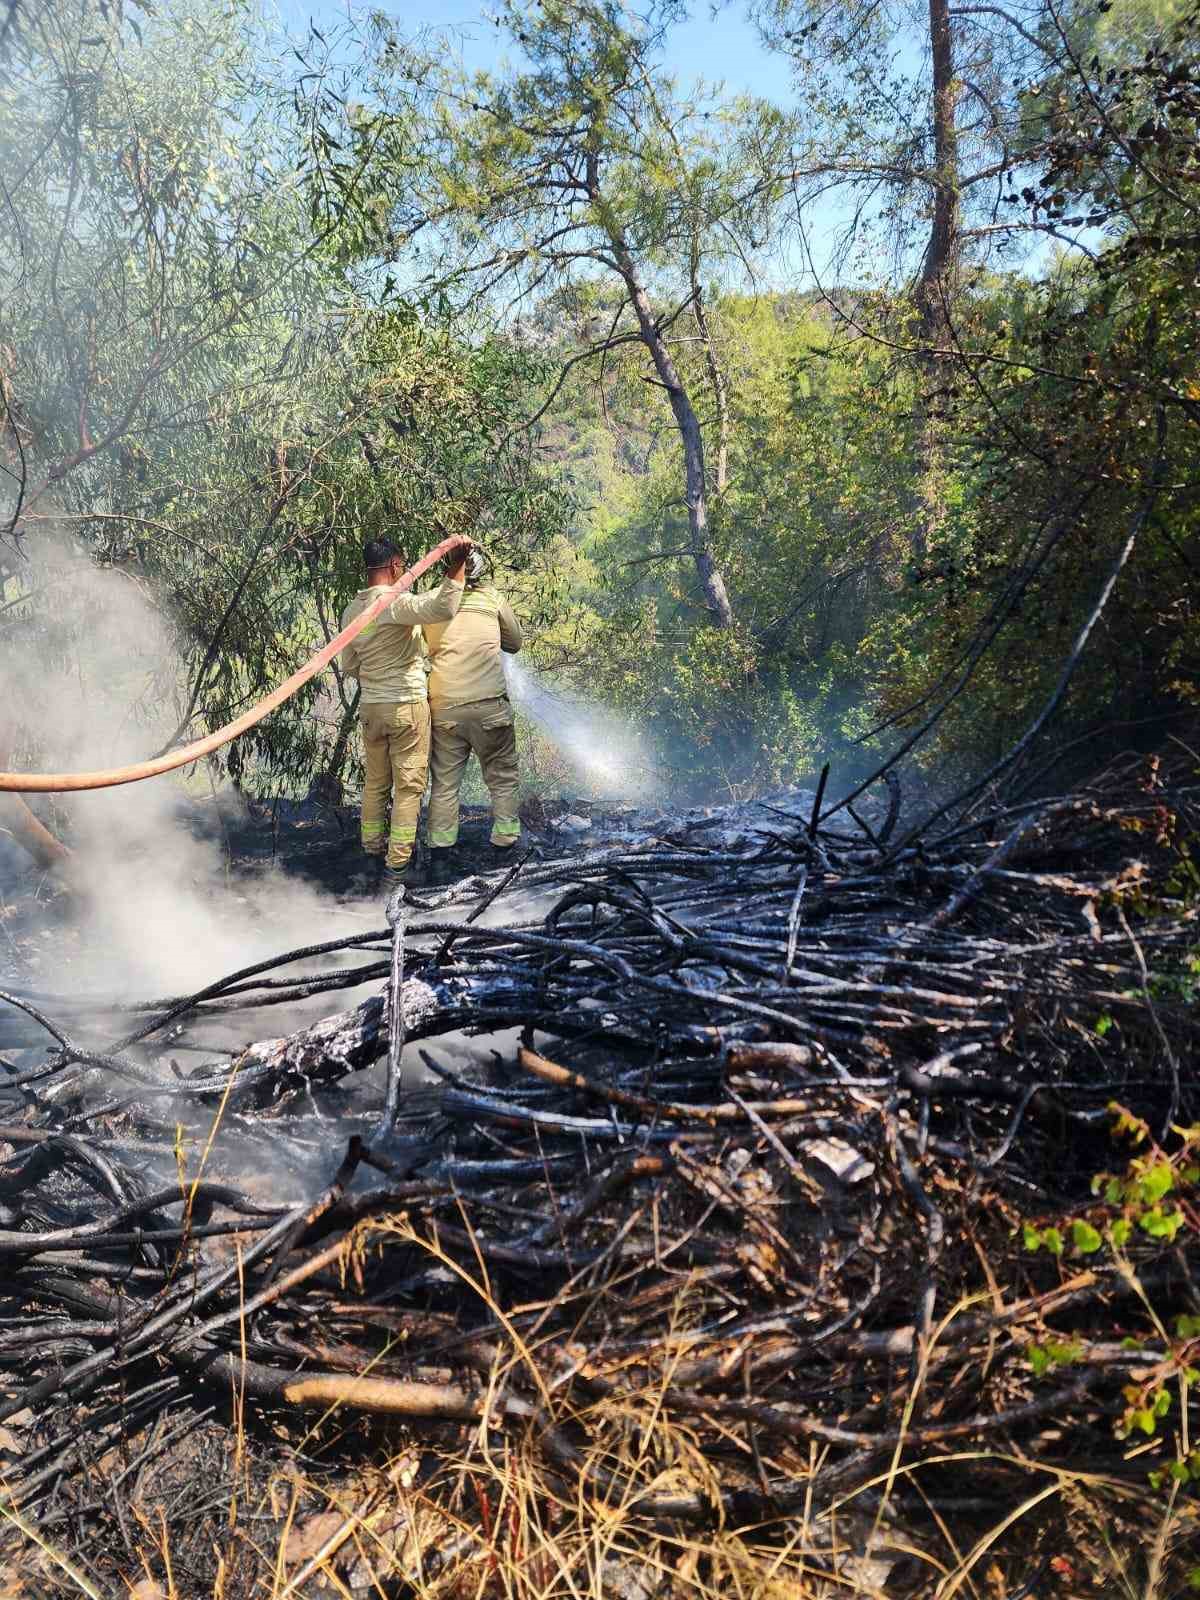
[614, 757]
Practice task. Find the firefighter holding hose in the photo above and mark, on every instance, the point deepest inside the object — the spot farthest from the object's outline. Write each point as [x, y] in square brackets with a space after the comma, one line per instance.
[468, 696]
[393, 705]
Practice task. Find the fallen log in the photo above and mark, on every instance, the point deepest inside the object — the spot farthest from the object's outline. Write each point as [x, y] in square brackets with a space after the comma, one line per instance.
[349, 1041]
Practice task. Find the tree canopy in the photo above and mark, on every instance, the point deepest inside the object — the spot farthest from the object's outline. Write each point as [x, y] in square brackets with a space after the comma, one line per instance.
[257, 312]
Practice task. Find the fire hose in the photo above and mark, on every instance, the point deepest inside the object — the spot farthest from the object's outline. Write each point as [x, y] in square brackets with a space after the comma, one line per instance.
[25, 824]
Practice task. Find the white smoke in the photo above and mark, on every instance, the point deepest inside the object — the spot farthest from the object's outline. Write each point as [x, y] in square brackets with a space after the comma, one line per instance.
[92, 679]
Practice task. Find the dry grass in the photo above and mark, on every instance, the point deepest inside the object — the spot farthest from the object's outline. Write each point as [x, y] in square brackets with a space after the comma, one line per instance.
[482, 1519]
[474, 1512]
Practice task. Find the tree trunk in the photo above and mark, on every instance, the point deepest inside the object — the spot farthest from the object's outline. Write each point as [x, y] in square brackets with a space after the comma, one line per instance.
[20, 823]
[937, 271]
[32, 835]
[327, 786]
[720, 389]
[935, 286]
[715, 595]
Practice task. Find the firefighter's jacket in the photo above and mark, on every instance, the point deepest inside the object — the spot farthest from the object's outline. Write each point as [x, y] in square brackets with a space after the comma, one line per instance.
[386, 655]
[465, 653]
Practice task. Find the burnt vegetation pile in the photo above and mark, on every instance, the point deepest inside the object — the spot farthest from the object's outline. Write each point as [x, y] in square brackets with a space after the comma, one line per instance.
[779, 1213]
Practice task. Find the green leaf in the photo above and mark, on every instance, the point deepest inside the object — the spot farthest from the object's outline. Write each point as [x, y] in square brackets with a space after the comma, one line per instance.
[1120, 1231]
[1085, 1238]
[1162, 1225]
[1156, 1183]
[1031, 1238]
[1144, 1419]
[1053, 1240]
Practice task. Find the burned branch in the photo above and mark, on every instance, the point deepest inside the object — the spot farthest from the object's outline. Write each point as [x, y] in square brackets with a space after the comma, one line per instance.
[746, 1162]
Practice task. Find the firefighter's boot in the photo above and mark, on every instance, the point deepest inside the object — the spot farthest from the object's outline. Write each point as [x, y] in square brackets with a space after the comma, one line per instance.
[443, 869]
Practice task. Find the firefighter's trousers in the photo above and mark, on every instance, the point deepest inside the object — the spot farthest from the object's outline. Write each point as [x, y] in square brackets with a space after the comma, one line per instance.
[483, 728]
[396, 757]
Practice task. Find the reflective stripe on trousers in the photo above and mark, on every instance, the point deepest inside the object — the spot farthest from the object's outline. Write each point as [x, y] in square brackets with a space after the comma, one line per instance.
[483, 728]
[396, 759]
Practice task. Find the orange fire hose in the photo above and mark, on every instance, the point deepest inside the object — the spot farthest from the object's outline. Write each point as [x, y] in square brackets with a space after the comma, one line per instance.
[58, 782]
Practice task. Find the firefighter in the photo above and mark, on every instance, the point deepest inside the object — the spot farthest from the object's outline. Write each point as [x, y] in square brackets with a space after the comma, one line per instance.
[393, 706]
[468, 698]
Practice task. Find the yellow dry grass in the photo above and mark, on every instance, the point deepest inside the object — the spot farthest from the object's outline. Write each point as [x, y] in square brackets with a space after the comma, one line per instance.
[476, 1512]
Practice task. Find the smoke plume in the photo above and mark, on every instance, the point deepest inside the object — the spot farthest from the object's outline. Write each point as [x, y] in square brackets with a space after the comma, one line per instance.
[92, 678]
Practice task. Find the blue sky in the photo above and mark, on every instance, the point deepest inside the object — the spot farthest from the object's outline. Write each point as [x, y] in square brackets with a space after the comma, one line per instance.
[725, 48]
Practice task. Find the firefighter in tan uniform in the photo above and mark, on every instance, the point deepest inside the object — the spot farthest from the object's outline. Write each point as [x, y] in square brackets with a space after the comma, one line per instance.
[393, 706]
[468, 697]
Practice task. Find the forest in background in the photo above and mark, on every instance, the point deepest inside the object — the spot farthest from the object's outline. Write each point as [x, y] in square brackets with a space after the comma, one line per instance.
[937, 496]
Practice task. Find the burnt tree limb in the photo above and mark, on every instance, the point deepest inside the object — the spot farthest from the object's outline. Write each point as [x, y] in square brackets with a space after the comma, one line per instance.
[349, 1041]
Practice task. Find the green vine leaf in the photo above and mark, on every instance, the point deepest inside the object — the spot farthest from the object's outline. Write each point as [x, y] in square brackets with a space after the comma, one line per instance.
[1085, 1238]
